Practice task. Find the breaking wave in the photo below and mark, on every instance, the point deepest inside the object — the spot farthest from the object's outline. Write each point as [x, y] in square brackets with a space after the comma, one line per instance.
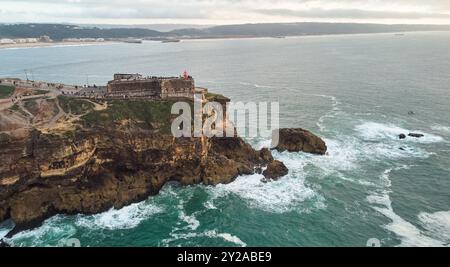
[440, 128]
[330, 114]
[278, 196]
[409, 234]
[373, 131]
[255, 85]
[53, 232]
[125, 218]
[437, 224]
[208, 234]
[190, 220]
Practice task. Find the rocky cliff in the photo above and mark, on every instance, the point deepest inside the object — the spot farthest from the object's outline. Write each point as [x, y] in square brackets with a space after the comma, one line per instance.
[108, 157]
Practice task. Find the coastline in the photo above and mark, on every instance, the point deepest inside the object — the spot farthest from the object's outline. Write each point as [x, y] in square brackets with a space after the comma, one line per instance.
[53, 44]
[200, 38]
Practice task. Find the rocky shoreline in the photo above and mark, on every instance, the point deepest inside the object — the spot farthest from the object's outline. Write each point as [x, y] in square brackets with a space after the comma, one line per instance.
[112, 157]
[44, 175]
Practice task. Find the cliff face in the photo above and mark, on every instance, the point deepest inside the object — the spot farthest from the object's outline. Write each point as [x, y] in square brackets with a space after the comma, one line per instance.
[86, 157]
[93, 170]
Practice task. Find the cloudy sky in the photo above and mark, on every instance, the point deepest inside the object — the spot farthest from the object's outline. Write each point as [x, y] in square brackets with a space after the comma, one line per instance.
[224, 11]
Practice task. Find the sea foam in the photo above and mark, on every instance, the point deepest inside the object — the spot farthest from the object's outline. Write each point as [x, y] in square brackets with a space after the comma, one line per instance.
[373, 131]
[125, 218]
[409, 234]
[209, 234]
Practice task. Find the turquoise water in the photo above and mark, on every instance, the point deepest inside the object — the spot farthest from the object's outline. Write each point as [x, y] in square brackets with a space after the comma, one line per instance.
[356, 91]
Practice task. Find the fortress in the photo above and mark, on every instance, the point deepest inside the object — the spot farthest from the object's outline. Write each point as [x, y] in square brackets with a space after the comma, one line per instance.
[138, 86]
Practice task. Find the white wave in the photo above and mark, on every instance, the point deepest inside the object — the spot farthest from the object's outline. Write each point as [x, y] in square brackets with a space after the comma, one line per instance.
[329, 115]
[280, 196]
[437, 224]
[440, 128]
[410, 235]
[265, 143]
[191, 220]
[341, 155]
[227, 237]
[255, 85]
[382, 151]
[5, 228]
[262, 86]
[209, 205]
[209, 234]
[334, 101]
[125, 218]
[53, 232]
[374, 131]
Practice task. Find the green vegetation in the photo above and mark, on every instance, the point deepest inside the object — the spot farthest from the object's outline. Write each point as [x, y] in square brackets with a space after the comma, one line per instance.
[17, 108]
[152, 115]
[75, 106]
[31, 106]
[6, 91]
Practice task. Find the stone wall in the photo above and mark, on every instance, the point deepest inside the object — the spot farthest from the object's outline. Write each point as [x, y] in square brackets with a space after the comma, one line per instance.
[132, 88]
[175, 88]
[156, 88]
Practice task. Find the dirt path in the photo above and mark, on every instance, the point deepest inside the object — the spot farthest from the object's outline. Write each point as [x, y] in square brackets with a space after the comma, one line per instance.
[97, 106]
[58, 116]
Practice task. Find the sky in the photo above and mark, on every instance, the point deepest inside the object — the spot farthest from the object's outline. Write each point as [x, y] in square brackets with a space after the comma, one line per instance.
[224, 11]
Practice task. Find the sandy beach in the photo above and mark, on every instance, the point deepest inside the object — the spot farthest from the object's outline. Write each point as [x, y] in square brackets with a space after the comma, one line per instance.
[42, 44]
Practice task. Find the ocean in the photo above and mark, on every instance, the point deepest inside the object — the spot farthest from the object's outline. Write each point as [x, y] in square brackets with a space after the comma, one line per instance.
[358, 92]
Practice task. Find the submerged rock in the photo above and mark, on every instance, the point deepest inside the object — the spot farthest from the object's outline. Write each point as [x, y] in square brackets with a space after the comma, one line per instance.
[275, 170]
[401, 136]
[416, 135]
[297, 139]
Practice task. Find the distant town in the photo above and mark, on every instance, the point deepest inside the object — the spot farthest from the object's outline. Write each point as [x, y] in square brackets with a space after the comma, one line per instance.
[28, 34]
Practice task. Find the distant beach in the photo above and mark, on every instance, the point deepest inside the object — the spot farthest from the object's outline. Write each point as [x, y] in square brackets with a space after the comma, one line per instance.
[52, 44]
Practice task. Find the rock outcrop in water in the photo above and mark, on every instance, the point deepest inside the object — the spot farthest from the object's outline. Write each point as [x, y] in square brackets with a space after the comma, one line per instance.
[108, 157]
[275, 170]
[416, 135]
[297, 139]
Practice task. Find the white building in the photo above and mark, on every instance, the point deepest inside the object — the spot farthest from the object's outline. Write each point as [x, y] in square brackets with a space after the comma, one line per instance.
[6, 41]
[26, 40]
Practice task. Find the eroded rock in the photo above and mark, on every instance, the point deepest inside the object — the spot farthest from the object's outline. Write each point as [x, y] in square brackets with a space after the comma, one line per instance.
[92, 170]
[297, 139]
[275, 170]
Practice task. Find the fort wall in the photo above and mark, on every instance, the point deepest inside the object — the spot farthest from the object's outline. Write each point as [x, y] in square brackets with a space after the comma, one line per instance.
[134, 85]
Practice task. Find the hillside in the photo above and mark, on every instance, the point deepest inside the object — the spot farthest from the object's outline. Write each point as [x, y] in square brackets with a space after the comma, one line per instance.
[61, 31]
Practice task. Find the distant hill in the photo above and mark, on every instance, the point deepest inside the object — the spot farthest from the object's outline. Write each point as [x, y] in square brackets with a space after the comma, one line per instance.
[61, 31]
[294, 29]
[155, 27]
